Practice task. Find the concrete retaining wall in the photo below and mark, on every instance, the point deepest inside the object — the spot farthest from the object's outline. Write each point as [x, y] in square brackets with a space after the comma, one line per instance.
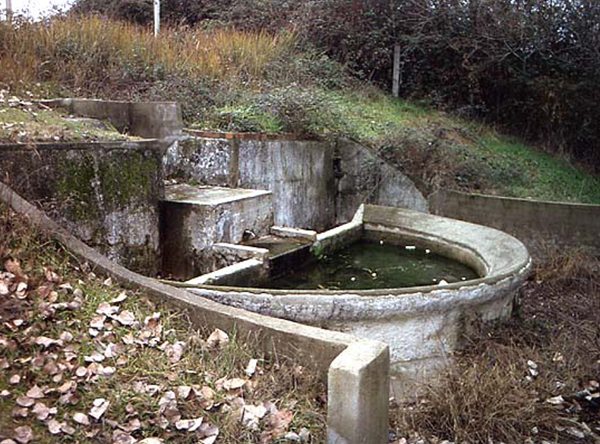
[565, 223]
[107, 194]
[315, 185]
[357, 370]
[150, 120]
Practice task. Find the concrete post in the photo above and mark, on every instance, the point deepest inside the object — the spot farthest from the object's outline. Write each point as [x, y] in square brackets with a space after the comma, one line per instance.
[9, 11]
[396, 74]
[358, 395]
[156, 17]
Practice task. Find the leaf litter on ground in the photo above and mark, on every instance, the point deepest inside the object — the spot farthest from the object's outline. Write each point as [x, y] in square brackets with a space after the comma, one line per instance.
[85, 359]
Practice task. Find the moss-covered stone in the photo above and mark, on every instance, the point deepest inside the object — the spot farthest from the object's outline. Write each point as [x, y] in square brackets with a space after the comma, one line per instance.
[107, 194]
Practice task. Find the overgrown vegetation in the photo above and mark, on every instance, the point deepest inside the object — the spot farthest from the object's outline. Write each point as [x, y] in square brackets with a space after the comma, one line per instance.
[83, 360]
[531, 66]
[533, 379]
[234, 80]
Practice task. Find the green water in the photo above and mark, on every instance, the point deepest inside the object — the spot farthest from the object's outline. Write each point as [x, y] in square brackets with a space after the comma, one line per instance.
[368, 265]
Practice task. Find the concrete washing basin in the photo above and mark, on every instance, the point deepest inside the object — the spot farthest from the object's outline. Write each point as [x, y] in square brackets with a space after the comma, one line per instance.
[422, 325]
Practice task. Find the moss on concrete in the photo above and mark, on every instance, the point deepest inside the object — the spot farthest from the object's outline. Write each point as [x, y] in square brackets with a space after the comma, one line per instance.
[93, 183]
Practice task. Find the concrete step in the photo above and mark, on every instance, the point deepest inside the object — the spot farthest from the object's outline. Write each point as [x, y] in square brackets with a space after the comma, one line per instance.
[194, 218]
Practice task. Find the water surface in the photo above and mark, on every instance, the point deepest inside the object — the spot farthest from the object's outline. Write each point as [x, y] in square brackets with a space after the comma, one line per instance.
[366, 265]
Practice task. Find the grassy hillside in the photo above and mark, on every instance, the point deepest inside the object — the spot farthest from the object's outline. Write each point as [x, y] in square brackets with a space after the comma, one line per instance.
[240, 81]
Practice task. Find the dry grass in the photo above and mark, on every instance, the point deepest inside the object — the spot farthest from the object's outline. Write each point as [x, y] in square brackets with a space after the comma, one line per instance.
[494, 395]
[93, 53]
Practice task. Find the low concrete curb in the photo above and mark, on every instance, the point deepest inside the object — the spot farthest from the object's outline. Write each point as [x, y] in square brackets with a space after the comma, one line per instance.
[152, 120]
[358, 381]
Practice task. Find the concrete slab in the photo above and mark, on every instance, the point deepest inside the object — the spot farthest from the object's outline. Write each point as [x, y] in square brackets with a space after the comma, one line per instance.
[194, 218]
[207, 195]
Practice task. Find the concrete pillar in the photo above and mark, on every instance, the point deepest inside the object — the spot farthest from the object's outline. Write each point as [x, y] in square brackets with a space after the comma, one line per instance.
[396, 74]
[358, 395]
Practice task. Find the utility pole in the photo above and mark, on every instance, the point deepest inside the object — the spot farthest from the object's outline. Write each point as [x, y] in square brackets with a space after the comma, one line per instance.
[9, 11]
[156, 17]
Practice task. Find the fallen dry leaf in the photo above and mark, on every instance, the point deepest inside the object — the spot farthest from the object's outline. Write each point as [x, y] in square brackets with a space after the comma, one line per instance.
[208, 433]
[35, 392]
[121, 437]
[175, 351]
[42, 411]
[47, 342]
[97, 322]
[234, 384]
[126, 318]
[100, 406]
[151, 441]
[217, 338]
[81, 418]
[54, 426]
[183, 391]
[104, 308]
[23, 434]
[191, 425]
[121, 298]
[19, 412]
[25, 401]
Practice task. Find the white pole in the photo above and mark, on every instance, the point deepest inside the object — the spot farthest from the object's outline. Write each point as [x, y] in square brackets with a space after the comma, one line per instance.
[9, 11]
[156, 17]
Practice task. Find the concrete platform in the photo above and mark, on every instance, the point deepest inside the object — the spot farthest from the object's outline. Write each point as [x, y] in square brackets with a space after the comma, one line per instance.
[207, 195]
[194, 218]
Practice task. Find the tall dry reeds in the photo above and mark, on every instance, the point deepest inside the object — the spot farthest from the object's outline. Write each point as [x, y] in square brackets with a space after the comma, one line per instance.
[92, 52]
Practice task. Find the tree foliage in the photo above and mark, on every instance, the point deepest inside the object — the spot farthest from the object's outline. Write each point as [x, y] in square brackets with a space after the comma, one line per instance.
[528, 65]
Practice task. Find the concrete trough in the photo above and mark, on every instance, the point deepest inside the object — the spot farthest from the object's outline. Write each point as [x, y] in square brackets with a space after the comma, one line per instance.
[423, 325]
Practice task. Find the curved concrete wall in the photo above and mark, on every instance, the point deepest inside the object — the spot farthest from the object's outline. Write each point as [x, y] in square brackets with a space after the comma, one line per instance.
[422, 325]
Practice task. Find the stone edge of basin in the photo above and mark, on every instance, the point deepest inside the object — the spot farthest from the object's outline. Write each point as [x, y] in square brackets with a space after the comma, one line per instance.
[505, 259]
[357, 369]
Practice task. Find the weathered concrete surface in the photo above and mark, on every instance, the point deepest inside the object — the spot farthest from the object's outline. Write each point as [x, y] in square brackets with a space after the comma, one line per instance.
[152, 120]
[196, 218]
[369, 179]
[315, 185]
[358, 392]
[565, 223]
[297, 233]
[314, 347]
[204, 161]
[422, 325]
[250, 271]
[300, 175]
[107, 194]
